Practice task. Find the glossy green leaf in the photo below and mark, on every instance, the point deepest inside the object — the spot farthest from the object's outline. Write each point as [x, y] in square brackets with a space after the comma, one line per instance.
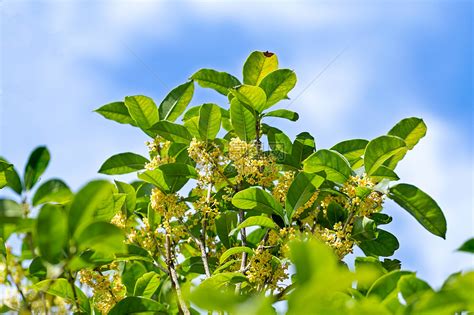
[118, 112]
[176, 101]
[10, 208]
[52, 232]
[364, 229]
[386, 284]
[411, 287]
[243, 121]
[35, 167]
[384, 172]
[102, 237]
[421, 206]
[381, 149]
[123, 163]
[53, 190]
[254, 198]
[409, 129]
[130, 199]
[468, 246]
[277, 84]
[301, 189]
[255, 221]
[258, 65]
[147, 284]
[253, 96]
[283, 113]
[225, 222]
[385, 244]
[351, 149]
[222, 279]
[278, 140]
[143, 110]
[192, 125]
[10, 177]
[303, 146]
[169, 177]
[171, 131]
[209, 121]
[218, 81]
[335, 166]
[234, 251]
[62, 288]
[93, 197]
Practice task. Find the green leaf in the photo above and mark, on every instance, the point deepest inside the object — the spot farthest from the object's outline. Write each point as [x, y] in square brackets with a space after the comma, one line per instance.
[35, 167]
[102, 237]
[9, 208]
[235, 250]
[169, 177]
[131, 198]
[171, 131]
[386, 284]
[301, 189]
[421, 206]
[143, 110]
[147, 284]
[335, 166]
[381, 149]
[209, 121]
[225, 222]
[192, 125]
[351, 149]
[218, 81]
[54, 190]
[411, 287]
[176, 101]
[384, 172]
[123, 163]
[254, 198]
[468, 246]
[52, 233]
[385, 244]
[61, 287]
[368, 270]
[303, 146]
[135, 305]
[364, 229]
[255, 221]
[243, 121]
[283, 113]
[116, 111]
[93, 197]
[222, 279]
[9, 176]
[191, 112]
[37, 268]
[253, 96]
[277, 84]
[278, 140]
[409, 129]
[258, 65]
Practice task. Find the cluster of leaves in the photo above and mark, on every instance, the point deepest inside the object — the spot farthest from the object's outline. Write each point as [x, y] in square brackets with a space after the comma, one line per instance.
[228, 214]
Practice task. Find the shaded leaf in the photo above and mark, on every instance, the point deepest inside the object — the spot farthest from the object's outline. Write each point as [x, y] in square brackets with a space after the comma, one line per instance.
[123, 163]
[35, 167]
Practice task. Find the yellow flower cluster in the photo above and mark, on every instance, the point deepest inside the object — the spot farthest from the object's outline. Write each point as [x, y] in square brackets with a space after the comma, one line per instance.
[167, 206]
[156, 148]
[252, 166]
[211, 162]
[281, 188]
[307, 205]
[107, 288]
[339, 239]
[264, 273]
[119, 220]
[366, 205]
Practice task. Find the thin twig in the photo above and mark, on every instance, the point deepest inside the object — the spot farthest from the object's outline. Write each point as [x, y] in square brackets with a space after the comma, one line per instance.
[174, 277]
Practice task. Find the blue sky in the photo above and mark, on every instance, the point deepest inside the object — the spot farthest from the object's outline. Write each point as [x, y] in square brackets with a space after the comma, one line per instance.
[61, 60]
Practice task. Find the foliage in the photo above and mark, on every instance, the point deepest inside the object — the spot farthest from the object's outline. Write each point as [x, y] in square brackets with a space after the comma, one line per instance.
[227, 214]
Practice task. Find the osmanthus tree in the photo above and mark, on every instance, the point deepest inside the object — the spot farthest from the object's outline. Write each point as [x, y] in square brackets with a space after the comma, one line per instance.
[228, 214]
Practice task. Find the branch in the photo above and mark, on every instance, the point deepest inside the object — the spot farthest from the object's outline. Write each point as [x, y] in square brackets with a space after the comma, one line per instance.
[243, 263]
[174, 277]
